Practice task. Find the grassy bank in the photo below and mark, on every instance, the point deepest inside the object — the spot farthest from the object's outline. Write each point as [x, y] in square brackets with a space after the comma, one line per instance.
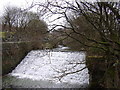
[14, 52]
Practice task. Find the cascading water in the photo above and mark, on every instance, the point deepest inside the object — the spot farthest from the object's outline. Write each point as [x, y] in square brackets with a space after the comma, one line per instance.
[55, 67]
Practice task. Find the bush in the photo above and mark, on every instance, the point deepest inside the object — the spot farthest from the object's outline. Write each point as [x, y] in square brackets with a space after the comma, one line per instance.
[13, 53]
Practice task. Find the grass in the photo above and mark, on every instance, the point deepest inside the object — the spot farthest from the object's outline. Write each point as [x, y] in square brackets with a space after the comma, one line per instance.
[4, 34]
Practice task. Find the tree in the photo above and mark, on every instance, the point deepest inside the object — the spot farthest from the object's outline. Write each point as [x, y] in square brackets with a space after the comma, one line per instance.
[83, 27]
[21, 25]
[36, 28]
[102, 17]
[10, 17]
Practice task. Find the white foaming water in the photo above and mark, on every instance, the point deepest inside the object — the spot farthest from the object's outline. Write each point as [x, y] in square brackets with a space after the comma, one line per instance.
[51, 65]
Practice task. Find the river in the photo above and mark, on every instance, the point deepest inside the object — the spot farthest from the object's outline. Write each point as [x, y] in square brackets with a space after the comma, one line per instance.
[49, 69]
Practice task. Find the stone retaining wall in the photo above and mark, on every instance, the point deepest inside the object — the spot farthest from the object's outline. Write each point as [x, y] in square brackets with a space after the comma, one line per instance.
[102, 75]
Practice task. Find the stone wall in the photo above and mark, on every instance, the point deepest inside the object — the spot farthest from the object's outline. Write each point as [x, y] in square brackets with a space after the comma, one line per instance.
[102, 73]
[14, 52]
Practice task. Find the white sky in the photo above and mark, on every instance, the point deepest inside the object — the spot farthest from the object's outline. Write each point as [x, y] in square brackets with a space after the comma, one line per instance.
[22, 3]
[18, 3]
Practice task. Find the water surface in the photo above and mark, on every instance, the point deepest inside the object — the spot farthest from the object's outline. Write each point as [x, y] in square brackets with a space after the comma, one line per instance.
[48, 69]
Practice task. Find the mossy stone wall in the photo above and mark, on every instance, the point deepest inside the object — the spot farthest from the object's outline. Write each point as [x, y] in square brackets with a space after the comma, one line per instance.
[101, 74]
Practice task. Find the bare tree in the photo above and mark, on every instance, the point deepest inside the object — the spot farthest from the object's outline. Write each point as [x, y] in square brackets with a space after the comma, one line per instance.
[22, 25]
[102, 18]
[10, 17]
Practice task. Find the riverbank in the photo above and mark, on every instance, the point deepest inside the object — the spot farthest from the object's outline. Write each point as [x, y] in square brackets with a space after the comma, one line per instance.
[14, 52]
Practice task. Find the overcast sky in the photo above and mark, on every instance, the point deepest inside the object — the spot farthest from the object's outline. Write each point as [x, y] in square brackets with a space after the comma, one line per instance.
[18, 3]
[21, 3]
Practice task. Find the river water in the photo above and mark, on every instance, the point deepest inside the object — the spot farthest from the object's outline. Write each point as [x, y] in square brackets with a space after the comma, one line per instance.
[49, 69]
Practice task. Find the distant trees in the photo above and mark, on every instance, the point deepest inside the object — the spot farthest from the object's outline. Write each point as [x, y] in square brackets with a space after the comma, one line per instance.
[37, 27]
[10, 18]
[93, 25]
[24, 25]
[81, 26]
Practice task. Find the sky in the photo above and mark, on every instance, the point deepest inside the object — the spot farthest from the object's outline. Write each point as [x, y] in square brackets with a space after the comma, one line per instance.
[24, 4]
[5, 3]
[18, 3]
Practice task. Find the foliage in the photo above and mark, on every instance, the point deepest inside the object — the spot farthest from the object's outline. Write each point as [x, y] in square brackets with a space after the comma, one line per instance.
[93, 25]
[26, 25]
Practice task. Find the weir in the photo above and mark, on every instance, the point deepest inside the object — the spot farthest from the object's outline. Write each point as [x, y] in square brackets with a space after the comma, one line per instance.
[53, 68]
